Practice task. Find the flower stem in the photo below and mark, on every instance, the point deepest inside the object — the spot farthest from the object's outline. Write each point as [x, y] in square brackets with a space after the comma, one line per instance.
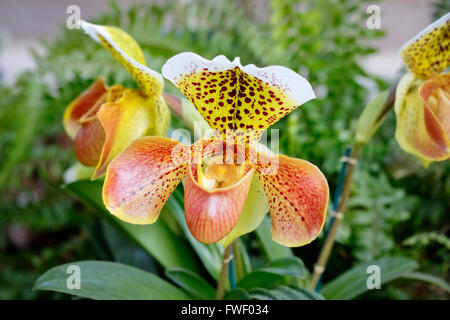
[380, 116]
[319, 267]
[223, 277]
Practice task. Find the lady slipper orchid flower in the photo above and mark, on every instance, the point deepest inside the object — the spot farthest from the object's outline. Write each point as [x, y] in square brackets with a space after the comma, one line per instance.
[226, 174]
[422, 103]
[104, 121]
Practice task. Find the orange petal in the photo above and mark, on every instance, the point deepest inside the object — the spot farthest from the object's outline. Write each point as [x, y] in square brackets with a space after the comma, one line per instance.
[212, 214]
[435, 92]
[297, 193]
[89, 142]
[140, 180]
[129, 117]
[419, 131]
[237, 100]
[81, 105]
[428, 52]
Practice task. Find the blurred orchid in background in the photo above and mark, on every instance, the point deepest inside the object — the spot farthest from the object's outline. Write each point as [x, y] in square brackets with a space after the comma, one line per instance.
[224, 198]
[104, 121]
[422, 103]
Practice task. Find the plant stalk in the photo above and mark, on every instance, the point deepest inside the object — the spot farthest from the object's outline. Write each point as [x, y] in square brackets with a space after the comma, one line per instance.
[223, 277]
[319, 267]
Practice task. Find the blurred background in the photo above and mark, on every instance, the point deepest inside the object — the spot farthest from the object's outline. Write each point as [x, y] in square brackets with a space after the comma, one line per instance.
[397, 207]
[24, 23]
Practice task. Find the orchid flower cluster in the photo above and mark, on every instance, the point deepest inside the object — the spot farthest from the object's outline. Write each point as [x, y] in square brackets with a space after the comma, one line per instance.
[230, 180]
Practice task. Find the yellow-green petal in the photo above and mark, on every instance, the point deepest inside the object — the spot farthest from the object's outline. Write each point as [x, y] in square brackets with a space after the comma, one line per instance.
[126, 50]
[255, 209]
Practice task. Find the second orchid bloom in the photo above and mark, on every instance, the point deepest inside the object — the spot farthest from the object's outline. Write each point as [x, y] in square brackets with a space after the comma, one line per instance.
[104, 121]
[422, 103]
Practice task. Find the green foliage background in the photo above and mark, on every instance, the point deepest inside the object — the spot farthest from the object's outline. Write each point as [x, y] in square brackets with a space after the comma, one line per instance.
[396, 205]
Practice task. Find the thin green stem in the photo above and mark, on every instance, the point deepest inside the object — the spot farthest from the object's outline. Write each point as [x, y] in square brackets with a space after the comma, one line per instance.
[321, 263]
[319, 267]
[223, 277]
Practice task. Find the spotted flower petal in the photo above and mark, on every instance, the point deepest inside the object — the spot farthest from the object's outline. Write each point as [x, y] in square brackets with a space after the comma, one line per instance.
[244, 100]
[212, 214]
[140, 180]
[423, 112]
[429, 51]
[81, 105]
[126, 50]
[297, 193]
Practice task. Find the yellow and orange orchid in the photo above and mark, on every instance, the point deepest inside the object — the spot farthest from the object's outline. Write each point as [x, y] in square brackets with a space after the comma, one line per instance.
[104, 121]
[422, 102]
[230, 183]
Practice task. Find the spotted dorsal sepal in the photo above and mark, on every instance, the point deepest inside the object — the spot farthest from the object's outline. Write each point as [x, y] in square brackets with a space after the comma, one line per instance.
[237, 101]
[429, 51]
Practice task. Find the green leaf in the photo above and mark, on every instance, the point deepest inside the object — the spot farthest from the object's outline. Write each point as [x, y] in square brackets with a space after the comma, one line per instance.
[196, 286]
[125, 251]
[284, 293]
[432, 279]
[274, 272]
[237, 294]
[291, 266]
[209, 254]
[109, 280]
[272, 249]
[352, 283]
[157, 239]
[261, 294]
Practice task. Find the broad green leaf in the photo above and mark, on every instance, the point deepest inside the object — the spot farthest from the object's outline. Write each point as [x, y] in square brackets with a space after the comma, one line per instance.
[261, 294]
[209, 254]
[424, 277]
[272, 249]
[274, 272]
[192, 283]
[237, 294]
[291, 266]
[285, 293]
[125, 251]
[308, 294]
[352, 283]
[109, 281]
[157, 239]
